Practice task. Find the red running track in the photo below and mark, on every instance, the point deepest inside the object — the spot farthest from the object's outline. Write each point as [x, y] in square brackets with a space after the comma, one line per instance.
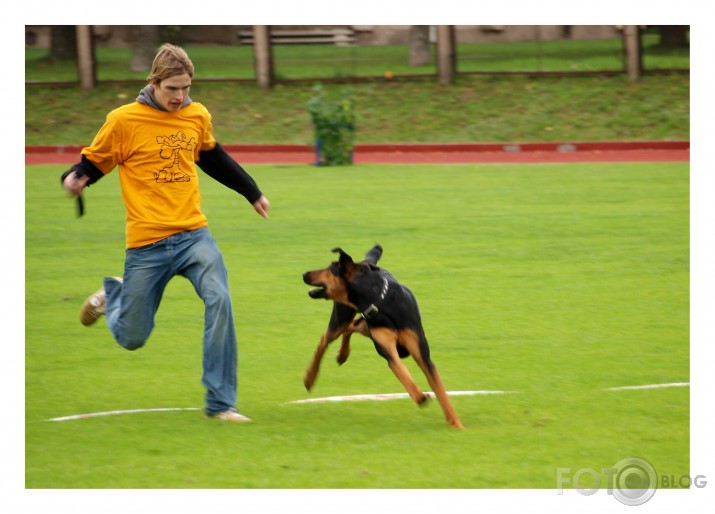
[636, 151]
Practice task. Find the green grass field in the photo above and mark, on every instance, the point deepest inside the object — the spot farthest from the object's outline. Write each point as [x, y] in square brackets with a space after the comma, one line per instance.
[475, 109]
[552, 282]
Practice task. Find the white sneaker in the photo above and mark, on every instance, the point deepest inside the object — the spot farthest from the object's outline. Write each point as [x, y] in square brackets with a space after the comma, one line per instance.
[94, 306]
[229, 415]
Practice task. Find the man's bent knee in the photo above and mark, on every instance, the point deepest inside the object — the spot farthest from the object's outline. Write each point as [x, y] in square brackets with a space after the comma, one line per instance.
[130, 341]
[131, 344]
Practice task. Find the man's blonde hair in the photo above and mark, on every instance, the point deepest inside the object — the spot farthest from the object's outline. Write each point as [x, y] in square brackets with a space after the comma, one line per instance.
[170, 60]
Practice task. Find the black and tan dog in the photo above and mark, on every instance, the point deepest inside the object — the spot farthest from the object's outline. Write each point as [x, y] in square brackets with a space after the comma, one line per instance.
[389, 315]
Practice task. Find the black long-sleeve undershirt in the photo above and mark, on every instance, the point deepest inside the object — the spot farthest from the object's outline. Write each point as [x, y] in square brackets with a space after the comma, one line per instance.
[84, 168]
[220, 166]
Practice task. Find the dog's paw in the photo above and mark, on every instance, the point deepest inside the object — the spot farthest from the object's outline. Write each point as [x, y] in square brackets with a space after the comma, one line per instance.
[342, 357]
[455, 423]
[423, 401]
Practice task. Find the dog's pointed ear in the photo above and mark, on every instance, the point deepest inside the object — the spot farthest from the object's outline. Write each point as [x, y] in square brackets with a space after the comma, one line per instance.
[344, 257]
[345, 264]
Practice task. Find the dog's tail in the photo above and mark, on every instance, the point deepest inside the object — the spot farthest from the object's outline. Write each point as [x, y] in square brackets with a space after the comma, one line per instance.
[374, 255]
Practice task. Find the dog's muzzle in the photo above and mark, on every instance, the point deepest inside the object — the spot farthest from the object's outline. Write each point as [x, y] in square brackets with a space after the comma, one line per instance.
[315, 293]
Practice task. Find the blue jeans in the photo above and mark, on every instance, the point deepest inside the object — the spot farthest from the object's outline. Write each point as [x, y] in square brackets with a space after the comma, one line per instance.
[132, 305]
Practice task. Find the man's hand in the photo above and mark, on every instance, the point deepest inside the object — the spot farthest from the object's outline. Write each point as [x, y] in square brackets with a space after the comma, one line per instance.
[74, 186]
[261, 205]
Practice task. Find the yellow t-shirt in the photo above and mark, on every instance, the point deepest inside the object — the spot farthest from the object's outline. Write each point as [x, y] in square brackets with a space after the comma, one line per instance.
[156, 153]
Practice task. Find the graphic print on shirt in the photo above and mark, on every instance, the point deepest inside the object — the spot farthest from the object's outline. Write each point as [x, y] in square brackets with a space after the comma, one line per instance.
[171, 146]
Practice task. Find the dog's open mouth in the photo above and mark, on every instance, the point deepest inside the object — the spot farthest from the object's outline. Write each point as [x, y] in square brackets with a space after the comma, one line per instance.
[320, 292]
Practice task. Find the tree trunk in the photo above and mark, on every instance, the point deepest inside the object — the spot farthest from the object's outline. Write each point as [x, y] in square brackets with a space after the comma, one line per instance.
[446, 54]
[632, 52]
[63, 44]
[420, 54]
[86, 62]
[263, 56]
[144, 46]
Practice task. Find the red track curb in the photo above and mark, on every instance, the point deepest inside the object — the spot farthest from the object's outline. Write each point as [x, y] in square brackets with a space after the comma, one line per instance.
[586, 146]
[607, 151]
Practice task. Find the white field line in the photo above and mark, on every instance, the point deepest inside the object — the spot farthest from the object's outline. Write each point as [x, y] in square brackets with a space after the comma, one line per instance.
[351, 398]
[119, 413]
[648, 386]
[387, 396]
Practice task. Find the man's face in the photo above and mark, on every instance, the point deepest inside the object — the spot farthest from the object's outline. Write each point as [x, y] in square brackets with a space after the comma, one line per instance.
[171, 92]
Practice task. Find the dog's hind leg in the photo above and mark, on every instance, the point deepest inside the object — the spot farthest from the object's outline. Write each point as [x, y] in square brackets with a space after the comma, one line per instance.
[340, 320]
[440, 392]
[386, 344]
[418, 348]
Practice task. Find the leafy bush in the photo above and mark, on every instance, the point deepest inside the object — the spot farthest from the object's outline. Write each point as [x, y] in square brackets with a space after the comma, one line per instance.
[334, 123]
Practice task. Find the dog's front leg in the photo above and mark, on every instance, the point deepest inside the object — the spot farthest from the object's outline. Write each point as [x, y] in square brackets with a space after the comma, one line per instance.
[358, 326]
[340, 320]
[312, 372]
[344, 351]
